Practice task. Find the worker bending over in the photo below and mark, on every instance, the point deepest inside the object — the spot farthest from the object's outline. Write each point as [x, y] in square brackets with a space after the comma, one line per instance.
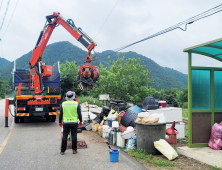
[70, 112]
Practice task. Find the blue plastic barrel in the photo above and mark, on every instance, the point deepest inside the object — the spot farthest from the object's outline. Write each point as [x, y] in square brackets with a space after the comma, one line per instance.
[114, 156]
[136, 109]
[110, 122]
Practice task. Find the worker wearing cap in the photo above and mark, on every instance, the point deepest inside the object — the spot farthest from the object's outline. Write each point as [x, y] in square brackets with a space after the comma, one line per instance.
[70, 112]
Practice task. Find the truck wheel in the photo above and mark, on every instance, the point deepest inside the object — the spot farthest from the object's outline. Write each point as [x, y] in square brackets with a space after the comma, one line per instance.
[53, 118]
[16, 119]
[47, 118]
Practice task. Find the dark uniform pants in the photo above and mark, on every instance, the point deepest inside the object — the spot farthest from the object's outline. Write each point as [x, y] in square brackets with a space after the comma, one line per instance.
[66, 130]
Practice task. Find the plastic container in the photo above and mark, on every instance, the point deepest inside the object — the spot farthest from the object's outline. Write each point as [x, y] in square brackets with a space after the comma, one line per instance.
[120, 143]
[95, 127]
[110, 122]
[114, 138]
[136, 109]
[148, 133]
[172, 139]
[128, 118]
[115, 124]
[110, 139]
[114, 155]
[180, 126]
[162, 103]
[105, 131]
[100, 129]
[109, 129]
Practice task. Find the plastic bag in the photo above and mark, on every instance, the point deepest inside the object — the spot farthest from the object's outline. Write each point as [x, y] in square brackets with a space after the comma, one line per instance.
[113, 115]
[131, 143]
[165, 149]
[142, 114]
[162, 118]
[215, 141]
[150, 119]
[140, 118]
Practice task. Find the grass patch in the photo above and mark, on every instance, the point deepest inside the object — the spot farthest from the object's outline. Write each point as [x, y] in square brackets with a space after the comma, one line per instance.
[183, 140]
[141, 156]
[215, 168]
[91, 100]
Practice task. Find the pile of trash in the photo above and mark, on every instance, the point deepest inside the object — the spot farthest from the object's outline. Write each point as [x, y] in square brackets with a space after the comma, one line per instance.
[117, 124]
[117, 105]
[85, 107]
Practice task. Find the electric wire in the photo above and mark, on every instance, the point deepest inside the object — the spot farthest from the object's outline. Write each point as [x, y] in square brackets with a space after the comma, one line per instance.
[106, 18]
[5, 15]
[202, 15]
[1, 5]
[188, 21]
[10, 19]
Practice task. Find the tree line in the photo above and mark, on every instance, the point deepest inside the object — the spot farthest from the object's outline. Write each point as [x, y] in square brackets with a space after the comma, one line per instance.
[125, 79]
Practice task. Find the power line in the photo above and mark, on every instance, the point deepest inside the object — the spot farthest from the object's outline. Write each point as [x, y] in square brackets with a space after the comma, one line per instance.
[1, 5]
[107, 18]
[205, 14]
[5, 15]
[10, 18]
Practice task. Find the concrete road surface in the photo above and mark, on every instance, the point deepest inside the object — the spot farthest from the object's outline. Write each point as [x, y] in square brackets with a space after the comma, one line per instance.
[35, 144]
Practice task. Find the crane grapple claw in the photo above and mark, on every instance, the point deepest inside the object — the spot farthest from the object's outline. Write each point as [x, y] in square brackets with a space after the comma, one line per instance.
[87, 77]
[86, 84]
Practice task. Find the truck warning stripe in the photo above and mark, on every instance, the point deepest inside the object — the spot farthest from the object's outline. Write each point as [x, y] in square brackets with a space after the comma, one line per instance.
[53, 113]
[22, 114]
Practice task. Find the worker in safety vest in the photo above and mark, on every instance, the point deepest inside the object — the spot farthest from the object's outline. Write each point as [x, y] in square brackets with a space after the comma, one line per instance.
[70, 112]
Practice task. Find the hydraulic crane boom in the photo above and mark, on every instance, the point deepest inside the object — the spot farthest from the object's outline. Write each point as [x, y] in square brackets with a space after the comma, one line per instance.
[47, 99]
[87, 74]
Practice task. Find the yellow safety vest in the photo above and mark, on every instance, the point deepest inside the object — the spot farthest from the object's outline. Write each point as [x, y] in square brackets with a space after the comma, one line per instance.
[70, 114]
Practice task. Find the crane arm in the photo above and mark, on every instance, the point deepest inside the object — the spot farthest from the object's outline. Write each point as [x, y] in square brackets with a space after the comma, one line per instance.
[88, 74]
[69, 25]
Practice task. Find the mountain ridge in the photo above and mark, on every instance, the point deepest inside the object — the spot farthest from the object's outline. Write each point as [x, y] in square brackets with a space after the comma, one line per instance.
[164, 77]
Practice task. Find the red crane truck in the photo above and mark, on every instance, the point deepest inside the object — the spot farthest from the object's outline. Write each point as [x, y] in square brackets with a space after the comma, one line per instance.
[37, 90]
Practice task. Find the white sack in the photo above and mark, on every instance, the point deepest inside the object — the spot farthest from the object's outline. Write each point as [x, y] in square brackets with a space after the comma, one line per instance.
[165, 149]
[85, 104]
[97, 110]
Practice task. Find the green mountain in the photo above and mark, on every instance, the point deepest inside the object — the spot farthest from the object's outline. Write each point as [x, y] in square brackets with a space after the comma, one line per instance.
[177, 75]
[4, 63]
[164, 78]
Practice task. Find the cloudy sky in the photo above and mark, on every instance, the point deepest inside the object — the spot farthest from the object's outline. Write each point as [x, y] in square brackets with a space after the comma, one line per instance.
[130, 21]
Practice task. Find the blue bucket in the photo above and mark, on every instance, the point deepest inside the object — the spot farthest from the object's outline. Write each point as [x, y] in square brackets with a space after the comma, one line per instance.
[114, 156]
[110, 122]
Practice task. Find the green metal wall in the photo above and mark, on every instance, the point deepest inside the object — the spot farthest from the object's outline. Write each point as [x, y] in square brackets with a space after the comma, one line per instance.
[204, 102]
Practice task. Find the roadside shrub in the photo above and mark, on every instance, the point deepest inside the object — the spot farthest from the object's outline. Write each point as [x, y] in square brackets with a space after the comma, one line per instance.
[185, 105]
[90, 100]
